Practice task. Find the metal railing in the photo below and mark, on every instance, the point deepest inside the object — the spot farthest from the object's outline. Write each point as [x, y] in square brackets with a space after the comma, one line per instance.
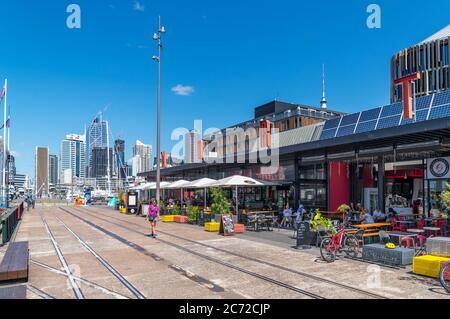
[9, 222]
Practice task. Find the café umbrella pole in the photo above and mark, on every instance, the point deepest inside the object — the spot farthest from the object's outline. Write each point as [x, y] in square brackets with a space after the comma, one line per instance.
[237, 205]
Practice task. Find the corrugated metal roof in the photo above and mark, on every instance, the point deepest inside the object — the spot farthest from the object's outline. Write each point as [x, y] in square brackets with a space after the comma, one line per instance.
[300, 135]
[441, 34]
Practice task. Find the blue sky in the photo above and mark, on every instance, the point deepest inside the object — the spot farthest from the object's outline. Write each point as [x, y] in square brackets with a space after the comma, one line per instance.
[235, 54]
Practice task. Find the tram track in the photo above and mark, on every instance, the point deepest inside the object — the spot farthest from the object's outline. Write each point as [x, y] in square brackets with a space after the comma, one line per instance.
[246, 257]
[73, 279]
[201, 255]
[249, 258]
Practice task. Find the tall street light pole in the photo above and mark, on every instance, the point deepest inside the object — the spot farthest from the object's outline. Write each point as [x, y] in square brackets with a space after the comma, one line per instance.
[157, 37]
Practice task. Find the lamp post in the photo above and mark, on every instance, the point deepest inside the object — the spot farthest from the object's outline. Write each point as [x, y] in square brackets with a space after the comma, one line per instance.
[157, 37]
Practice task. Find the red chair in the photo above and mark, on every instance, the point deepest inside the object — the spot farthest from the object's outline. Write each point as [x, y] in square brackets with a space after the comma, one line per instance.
[439, 223]
[420, 223]
[408, 242]
[394, 224]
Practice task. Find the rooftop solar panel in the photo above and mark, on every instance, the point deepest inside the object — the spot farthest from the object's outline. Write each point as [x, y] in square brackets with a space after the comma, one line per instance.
[328, 134]
[346, 130]
[441, 98]
[420, 117]
[389, 121]
[370, 115]
[333, 123]
[350, 119]
[366, 126]
[423, 102]
[440, 112]
[391, 110]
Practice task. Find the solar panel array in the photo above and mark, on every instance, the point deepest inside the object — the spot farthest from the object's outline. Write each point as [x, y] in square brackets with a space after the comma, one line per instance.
[427, 108]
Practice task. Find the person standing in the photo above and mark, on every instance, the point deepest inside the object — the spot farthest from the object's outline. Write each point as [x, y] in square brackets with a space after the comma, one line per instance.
[153, 215]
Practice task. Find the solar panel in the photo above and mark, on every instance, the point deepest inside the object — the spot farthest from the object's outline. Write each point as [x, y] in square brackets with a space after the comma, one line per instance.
[389, 121]
[391, 110]
[423, 102]
[366, 126]
[420, 117]
[328, 133]
[441, 98]
[346, 130]
[333, 123]
[350, 119]
[370, 115]
[440, 112]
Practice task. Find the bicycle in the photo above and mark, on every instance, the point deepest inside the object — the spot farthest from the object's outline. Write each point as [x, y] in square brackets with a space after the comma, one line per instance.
[340, 242]
[444, 276]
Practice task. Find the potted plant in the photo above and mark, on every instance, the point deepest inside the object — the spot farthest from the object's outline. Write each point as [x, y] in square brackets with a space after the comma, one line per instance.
[220, 205]
[192, 212]
[176, 210]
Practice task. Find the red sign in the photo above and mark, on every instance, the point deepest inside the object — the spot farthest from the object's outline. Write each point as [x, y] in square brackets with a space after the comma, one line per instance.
[406, 83]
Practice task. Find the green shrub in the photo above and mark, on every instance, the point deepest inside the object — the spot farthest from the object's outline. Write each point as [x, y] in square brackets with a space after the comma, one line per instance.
[192, 212]
[176, 210]
[220, 203]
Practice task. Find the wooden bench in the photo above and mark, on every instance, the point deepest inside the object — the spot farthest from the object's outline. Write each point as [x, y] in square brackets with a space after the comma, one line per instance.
[15, 263]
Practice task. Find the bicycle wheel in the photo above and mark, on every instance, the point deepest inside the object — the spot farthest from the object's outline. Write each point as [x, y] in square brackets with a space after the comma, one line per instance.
[444, 276]
[328, 250]
[352, 246]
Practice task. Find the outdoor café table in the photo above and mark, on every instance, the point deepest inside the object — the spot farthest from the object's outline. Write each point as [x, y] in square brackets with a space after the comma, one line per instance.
[415, 231]
[370, 226]
[398, 236]
[428, 230]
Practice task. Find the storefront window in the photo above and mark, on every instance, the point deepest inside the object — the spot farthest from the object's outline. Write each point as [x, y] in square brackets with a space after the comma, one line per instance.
[436, 187]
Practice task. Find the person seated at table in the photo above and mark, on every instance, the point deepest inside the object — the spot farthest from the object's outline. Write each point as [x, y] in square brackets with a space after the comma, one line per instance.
[287, 215]
[359, 208]
[392, 213]
[352, 207]
[348, 217]
[366, 217]
[378, 215]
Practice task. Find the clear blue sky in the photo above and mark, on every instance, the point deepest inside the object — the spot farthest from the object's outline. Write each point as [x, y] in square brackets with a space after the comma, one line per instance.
[236, 54]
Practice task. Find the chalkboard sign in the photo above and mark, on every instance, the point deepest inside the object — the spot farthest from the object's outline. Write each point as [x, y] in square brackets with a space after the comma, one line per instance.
[304, 235]
[226, 225]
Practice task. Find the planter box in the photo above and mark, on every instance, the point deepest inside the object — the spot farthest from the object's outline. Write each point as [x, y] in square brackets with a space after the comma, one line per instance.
[239, 228]
[180, 219]
[379, 253]
[168, 218]
[123, 210]
[428, 265]
[438, 246]
[212, 227]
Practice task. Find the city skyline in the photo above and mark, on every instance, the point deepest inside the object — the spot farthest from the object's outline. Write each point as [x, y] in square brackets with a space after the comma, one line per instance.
[119, 79]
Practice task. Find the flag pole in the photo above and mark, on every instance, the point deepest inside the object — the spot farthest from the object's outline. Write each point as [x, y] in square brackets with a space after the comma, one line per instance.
[5, 160]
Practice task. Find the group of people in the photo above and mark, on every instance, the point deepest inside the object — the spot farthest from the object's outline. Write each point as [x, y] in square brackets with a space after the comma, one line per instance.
[30, 200]
[362, 215]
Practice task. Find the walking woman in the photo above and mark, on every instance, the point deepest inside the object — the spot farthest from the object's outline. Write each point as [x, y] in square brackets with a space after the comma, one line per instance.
[153, 215]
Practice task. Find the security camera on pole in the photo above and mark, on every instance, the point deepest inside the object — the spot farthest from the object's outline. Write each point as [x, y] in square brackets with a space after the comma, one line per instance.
[157, 37]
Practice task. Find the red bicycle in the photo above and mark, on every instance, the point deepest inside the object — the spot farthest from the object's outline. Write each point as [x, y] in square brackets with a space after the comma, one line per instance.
[340, 242]
[444, 276]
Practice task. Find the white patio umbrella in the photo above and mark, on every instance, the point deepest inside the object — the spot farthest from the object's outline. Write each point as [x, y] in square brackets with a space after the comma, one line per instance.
[237, 181]
[181, 184]
[202, 183]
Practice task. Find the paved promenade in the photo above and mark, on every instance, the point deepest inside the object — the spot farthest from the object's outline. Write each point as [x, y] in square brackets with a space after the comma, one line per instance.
[96, 252]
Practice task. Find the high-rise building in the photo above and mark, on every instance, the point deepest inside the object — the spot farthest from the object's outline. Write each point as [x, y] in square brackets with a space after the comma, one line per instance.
[41, 171]
[96, 137]
[430, 59]
[119, 158]
[11, 168]
[193, 147]
[100, 162]
[142, 158]
[72, 158]
[53, 169]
